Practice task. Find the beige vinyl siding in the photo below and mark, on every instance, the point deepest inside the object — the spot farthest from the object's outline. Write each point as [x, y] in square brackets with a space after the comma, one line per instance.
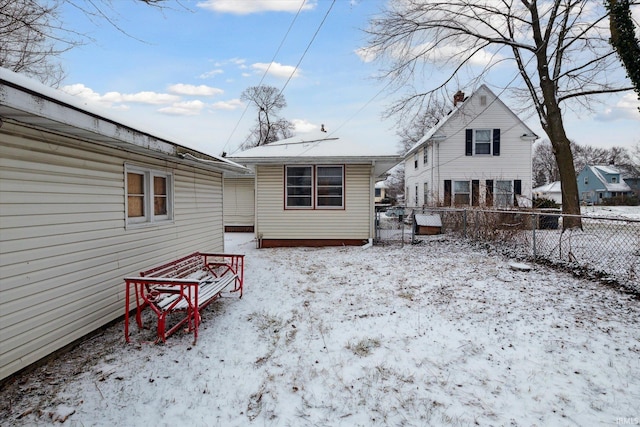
[239, 201]
[276, 222]
[64, 247]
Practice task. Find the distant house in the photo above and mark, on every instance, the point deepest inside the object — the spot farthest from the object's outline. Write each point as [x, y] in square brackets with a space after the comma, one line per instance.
[315, 190]
[86, 201]
[380, 194]
[239, 203]
[596, 183]
[478, 155]
[552, 191]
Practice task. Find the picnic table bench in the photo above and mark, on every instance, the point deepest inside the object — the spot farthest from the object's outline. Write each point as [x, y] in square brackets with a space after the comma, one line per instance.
[185, 285]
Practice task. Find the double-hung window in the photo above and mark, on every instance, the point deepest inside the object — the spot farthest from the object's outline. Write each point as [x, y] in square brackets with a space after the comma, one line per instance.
[149, 195]
[482, 142]
[314, 187]
[503, 196]
[461, 193]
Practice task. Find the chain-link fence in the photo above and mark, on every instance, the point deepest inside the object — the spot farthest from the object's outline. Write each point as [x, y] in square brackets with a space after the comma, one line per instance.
[605, 248]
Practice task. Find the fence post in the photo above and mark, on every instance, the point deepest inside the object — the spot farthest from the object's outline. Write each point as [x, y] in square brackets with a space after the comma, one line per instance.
[464, 223]
[536, 218]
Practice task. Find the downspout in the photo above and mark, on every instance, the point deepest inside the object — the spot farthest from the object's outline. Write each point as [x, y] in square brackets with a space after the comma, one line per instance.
[372, 202]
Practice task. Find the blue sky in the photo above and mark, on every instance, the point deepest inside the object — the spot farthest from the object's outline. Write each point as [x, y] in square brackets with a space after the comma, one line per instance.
[178, 72]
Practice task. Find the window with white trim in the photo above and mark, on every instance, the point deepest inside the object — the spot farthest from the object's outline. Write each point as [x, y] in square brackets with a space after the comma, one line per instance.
[319, 187]
[503, 195]
[425, 156]
[482, 141]
[149, 195]
[461, 193]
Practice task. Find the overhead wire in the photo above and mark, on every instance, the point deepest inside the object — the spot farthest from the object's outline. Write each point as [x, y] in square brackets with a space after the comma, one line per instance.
[266, 70]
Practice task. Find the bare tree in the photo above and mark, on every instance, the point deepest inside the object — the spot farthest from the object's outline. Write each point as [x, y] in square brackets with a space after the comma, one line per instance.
[545, 168]
[32, 38]
[412, 131]
[269, 127]
[33, 34]
[560, 49]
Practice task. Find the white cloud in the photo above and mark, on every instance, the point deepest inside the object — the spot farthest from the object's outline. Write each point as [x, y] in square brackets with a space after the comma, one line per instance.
[186, 108]
[192, 90]
[303, 126]
[625, 109]
[245, 7]
[210, 74]
[232, 104]
[366, 54]
[276, 69]
[111, 98]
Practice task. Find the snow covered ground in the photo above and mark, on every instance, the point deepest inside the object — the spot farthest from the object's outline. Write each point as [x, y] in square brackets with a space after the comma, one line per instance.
[630, 212]
[433, 334]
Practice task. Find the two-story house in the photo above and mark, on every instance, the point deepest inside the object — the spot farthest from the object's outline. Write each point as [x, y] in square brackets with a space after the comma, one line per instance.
[596, 183]
[478, 155]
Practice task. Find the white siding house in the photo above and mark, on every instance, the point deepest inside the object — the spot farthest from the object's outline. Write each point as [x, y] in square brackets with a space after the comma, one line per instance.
[239, 203]
[478, 155]
[315, 190]
[85, 201]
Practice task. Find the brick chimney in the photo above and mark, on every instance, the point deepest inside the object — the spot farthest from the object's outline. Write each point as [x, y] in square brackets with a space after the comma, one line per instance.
[458, 97]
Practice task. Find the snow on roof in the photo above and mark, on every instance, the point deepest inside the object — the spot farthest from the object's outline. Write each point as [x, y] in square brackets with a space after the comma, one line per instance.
[318, 147]
[553, 187]
[607, 169]
[314, 145]
[609, 186]
[428, 220]
[381, 184]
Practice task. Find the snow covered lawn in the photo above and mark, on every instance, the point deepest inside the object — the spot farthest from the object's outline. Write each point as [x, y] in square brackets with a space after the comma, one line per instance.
[432, 334]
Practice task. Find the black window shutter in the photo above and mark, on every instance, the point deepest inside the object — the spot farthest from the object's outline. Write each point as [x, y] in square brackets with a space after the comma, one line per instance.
[468, 146]
[447, 192]
[496, 142]
[475, 192]
[489, 193]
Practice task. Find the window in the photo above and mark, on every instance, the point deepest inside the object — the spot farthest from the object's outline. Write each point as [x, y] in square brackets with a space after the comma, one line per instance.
[299, 186]
[425, 192]
[416, 198]
[425, 156]
[503, 194]
[415, 160]
[329, 187]
[322, 185]
[461, 193]
[614, 180]
[149, 195]
[482, 142]
[586, 180]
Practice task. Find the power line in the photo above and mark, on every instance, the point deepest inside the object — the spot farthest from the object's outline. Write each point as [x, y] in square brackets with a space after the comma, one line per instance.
[267, 70]
[308, 46]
